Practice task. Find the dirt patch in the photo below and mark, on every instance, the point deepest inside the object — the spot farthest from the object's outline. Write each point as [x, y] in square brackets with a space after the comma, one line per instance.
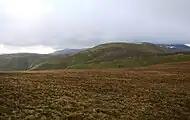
[120, 94]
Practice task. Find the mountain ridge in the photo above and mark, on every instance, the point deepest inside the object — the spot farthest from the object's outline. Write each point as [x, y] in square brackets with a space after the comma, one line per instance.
[176, 47]
[114, 55]
[108, 55]
[67, 51]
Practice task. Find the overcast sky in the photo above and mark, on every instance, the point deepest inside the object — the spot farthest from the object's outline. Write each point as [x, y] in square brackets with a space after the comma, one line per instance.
[46, 25]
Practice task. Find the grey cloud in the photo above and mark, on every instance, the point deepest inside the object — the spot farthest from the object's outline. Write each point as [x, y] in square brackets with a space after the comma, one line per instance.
[84, 23]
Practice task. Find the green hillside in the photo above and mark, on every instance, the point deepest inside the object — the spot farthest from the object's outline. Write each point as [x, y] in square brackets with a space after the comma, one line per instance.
[113, 55]
[132, 62]
[110, 55]
[21, 61]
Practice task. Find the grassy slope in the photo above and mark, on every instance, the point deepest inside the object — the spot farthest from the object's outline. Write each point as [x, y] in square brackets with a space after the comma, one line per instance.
[26, 61]
[111, 55]
[134, 62]
[114, 55]
[21, 61]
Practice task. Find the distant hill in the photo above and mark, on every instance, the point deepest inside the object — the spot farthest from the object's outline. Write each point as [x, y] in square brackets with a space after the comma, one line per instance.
[110, 55]
[105, 55]
[21, 61]
[176, 47]
[67, 51]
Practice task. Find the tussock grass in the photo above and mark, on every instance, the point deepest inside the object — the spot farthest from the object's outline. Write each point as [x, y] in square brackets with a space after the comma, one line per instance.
[151, 93]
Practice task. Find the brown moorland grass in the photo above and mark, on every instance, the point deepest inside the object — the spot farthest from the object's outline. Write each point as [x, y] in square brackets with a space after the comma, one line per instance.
[151, 93]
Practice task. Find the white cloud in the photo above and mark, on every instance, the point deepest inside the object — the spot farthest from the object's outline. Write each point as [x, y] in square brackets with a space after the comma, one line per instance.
[83, 23]
[27, 9]
[29, 49]
[188, 45]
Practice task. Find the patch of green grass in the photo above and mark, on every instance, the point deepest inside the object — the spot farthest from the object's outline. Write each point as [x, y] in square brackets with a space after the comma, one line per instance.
[133, 62]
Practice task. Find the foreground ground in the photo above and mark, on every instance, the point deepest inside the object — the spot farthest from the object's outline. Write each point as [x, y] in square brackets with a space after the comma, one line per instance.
[156, 92]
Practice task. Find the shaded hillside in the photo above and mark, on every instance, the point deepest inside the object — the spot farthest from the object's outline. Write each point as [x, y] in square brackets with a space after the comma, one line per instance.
[21, 61]
[176, 47]
[67, 51]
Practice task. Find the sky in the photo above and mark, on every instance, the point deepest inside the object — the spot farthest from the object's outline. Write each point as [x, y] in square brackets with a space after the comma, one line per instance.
[43, 26]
